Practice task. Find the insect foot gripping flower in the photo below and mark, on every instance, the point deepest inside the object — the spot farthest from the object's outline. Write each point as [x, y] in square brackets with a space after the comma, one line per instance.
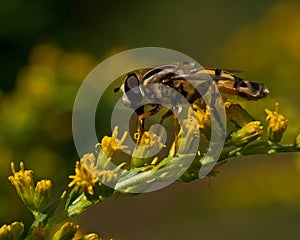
[149, 145]
[12, 231]
[34, 198]
[66, 232]
[277, 124]
[248, 133]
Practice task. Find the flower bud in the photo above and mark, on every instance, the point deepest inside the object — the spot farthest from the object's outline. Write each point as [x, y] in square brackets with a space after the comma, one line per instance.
[277, 124]
[42, 194]
[12, 231]
[17, 229]
[91, 236]
[66, 232]
[250, 132]
[5, 233]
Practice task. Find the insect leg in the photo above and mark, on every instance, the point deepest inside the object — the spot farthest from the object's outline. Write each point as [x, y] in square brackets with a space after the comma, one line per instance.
[141, 119]
[140, 129]
[165, 115]
[176, 111]
[215, 113]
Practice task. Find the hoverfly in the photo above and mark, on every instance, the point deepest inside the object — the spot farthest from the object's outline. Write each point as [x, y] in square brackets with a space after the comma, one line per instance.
[179, 76]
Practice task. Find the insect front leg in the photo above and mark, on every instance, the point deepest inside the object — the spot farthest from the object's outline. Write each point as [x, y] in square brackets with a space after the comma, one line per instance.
[140, 128]
[142, 115]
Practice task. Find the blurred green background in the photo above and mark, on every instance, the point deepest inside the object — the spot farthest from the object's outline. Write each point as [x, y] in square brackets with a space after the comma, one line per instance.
[48, 47]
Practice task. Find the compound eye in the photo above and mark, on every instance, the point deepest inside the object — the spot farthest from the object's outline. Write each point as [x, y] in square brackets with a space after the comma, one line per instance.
[132, 89]
[131, 82]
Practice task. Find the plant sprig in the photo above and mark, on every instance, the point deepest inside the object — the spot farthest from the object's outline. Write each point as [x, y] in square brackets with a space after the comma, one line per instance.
[94, 180]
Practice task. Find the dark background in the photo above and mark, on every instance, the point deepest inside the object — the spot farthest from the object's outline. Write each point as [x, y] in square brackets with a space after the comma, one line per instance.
[48, 47]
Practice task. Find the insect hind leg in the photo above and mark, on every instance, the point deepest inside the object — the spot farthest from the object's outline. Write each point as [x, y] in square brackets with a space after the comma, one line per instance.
[165, 116]
[174, 111]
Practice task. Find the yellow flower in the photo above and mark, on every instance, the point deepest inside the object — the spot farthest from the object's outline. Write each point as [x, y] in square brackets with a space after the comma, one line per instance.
[24, 184]
[189, 132]
[35, 198]
[66, 232]
[203, 117]
[112, 146]
[149, 145]
[12, 231]
[250, 132]
[277, 124]
[83, 180]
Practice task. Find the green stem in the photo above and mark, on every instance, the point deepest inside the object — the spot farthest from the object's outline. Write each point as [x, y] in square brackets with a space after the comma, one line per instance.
[254, 149]
[259, 148]
[61, 217]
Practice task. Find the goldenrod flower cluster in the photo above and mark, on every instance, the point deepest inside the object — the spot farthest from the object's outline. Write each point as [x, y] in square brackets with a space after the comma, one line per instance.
[34, 197]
